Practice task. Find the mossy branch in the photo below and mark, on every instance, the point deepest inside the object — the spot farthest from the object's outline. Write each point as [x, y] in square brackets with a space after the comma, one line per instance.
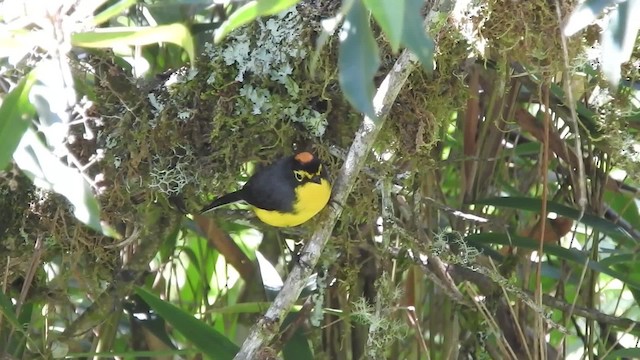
[268, 326]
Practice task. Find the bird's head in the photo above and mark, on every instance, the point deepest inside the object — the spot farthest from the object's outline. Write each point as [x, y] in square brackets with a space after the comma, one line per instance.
[307, 167]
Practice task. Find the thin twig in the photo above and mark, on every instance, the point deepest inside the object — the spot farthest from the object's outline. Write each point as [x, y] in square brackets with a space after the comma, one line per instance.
[487, 286]
[582, 190]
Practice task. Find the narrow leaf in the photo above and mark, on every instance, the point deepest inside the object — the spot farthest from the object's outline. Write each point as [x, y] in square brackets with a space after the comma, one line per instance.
[535, 205]
[7, 311]
[118, 36]
[415, 37]
[214, 344]
[618, 39]
[390, 16]
[358, 60]
[16, 113]
[19, 341]
[620, 259]
[249, 12]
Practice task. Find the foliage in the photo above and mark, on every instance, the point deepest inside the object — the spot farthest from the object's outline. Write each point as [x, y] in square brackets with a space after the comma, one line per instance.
[118, 117]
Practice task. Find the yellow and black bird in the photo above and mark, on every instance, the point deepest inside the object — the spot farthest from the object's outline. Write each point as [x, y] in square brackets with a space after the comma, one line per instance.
[286, 193]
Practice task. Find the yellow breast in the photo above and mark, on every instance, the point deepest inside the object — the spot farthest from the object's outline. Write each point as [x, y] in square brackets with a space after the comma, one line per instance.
[311, 197]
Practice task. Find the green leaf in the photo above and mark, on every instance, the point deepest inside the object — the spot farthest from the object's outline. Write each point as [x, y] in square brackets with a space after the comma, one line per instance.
[632, 353]
[16, 113]
[415, 37]
[112, 11]
[168, 12]
[585, 14]
[619, 38]
[620, 259]
[20, 339]
[358, 60]
[390, 16]
[526, 149]
[155, 324]
[623, 204]
[118, 36]
[7, 311]
[48, 172]
[535, 205]
[249, 12]
[14, 344]
[572, 255]
[297, 347]
[214, 344]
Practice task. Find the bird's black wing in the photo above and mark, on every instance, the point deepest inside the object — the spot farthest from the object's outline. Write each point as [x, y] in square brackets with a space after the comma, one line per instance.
[272, 188]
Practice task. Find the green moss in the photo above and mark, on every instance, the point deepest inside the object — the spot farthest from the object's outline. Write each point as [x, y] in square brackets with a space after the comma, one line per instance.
[525, 32]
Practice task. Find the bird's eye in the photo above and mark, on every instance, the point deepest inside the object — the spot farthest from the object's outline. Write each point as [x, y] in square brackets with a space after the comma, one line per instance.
[298, 175]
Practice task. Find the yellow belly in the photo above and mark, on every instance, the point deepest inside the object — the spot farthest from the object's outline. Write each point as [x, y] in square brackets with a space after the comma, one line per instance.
[311, 197]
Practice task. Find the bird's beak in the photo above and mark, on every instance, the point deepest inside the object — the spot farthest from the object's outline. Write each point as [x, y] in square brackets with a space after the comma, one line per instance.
[316, 179]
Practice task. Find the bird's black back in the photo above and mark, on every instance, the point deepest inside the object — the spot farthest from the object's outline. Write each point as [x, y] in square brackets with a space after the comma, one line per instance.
[273, 187]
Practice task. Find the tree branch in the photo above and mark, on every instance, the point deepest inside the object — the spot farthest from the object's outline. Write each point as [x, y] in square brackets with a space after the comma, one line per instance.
[265, 329]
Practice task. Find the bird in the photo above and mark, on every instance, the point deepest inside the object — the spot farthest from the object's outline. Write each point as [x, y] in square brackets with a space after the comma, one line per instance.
[286, 193]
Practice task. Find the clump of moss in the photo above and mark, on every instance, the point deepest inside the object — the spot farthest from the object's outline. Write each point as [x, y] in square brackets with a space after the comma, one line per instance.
[18, 225]
[525, 31]
[16, 194]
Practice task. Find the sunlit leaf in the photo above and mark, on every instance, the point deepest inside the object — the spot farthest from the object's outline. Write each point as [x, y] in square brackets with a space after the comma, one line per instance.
[619, 38]
[15, 44]
[52, 95]
[214, 344]
[358, 60]
[16, 113]
[121, 36]
[390, 16]
[585, 14]
[249, 12]
[112, 11]
[271, 280]
[48, 172]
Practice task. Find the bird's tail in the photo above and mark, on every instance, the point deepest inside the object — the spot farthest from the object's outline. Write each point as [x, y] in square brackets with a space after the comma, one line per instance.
[223, 200]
